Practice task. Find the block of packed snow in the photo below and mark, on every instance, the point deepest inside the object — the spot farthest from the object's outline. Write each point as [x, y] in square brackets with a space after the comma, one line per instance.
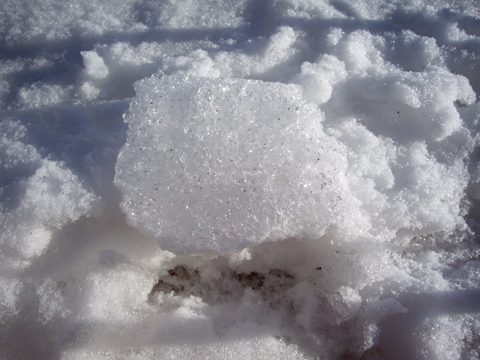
[224, 163]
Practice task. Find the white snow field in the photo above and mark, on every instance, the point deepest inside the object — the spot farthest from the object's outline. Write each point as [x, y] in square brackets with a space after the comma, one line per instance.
[239, 179]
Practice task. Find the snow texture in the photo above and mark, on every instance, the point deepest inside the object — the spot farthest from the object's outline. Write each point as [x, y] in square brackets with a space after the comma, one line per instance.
[278, 179]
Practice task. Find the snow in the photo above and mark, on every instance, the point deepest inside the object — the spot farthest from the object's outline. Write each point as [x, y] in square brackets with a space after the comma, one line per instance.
[224, 164]
[288, 179]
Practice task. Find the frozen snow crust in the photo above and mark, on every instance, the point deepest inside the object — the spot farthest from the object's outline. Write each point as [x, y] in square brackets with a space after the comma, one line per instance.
[285, 179]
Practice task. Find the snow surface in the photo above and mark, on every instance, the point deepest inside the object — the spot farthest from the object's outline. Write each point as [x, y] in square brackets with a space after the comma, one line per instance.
[278, 179]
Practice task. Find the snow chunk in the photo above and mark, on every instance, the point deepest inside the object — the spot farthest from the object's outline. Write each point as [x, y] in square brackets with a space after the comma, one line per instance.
[268, 59]
[41, 195]
[221, 164]
[95, 67]
[319, 78]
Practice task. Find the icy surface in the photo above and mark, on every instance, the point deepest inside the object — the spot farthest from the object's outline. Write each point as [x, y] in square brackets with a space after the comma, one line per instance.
[287, 179]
